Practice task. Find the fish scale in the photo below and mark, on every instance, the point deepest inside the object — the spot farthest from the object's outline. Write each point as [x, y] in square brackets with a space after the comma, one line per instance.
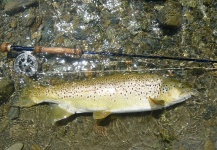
[119, 93]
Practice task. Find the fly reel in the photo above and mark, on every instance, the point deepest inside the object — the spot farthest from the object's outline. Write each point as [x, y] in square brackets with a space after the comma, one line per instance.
[26, 63]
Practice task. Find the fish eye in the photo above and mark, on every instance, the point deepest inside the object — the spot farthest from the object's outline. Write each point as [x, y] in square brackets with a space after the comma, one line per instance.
[181, 86]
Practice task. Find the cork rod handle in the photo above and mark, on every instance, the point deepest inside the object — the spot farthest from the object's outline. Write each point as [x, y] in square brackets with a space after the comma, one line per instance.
[57, 50]
[7, 47]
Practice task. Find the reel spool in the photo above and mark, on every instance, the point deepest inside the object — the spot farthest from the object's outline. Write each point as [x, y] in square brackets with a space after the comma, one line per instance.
[25, 63]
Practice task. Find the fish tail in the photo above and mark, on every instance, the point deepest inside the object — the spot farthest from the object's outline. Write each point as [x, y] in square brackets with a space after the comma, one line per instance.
[22, 98]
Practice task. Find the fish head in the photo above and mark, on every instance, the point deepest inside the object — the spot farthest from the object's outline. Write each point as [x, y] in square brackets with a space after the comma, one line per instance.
[172, 92]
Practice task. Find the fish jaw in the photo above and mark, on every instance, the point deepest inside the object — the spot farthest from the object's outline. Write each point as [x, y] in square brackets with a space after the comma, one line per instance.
[184, 95]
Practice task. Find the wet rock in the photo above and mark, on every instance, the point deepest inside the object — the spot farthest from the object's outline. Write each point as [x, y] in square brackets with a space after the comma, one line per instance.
[6, 89]
[13, 113]
[209, 112]
[1, 35]
[79, 34]
[36, 35]
[1, 5]
[48, 30]
[215, 144]
[14, 6]
[114, 20]
[36, 147]
[209, 145]
[9, 35]
[28, 17]
[170, 14]
[207, 2]
[14, 24]
[16, 146]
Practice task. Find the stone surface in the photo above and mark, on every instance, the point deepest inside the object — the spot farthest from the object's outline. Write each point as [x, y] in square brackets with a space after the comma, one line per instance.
[16, 146]
[13, 113]
[15, 6]
[170, 14]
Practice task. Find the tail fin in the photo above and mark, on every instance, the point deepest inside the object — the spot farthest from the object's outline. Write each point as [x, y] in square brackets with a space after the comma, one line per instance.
[22, 98]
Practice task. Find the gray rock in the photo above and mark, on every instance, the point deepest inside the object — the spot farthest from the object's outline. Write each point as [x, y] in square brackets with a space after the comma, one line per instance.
[15, 6]
[79, 34]
[170, 14]
[28, 17]
[16, 146]
[13, 113]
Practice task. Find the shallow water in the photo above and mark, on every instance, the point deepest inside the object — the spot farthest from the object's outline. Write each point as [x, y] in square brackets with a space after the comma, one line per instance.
[131, 27]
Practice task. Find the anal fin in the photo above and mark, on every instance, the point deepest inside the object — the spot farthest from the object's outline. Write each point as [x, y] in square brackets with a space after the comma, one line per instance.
[57, 113]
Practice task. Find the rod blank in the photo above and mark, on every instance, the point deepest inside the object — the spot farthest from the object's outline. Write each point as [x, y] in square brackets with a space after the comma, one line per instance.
[153, 57]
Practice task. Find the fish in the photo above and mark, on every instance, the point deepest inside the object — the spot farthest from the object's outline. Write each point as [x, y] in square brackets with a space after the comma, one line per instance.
[102, 96]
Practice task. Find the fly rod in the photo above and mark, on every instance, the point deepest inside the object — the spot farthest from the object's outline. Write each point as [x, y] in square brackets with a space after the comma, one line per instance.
[6, 47]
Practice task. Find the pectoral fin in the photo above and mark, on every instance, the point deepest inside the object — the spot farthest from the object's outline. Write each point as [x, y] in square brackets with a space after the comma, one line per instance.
[157, 102]
[100, 114]
[57, 113]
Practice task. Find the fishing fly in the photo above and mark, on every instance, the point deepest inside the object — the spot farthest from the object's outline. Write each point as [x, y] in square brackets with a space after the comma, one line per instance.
[26, 63]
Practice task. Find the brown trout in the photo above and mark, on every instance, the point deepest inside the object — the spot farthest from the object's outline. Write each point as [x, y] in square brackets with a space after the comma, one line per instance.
[120, 93]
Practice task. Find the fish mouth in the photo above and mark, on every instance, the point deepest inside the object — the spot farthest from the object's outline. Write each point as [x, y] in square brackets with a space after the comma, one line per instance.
[188, 92]
[184, 95]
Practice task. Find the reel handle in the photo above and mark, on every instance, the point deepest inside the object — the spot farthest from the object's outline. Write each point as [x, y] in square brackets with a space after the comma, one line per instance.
[6, 47]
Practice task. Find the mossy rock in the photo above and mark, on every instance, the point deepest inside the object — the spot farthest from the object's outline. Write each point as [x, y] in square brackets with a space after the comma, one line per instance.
[170, 14]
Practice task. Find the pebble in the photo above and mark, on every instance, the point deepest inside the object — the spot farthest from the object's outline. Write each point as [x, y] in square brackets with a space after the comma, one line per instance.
[215, 145]
[36, 35]
[13, 113]
[16, 146]
[79, 34]
[209, 145]
[28, 17]
[9, 35]
[14, 24]
[207, 2]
